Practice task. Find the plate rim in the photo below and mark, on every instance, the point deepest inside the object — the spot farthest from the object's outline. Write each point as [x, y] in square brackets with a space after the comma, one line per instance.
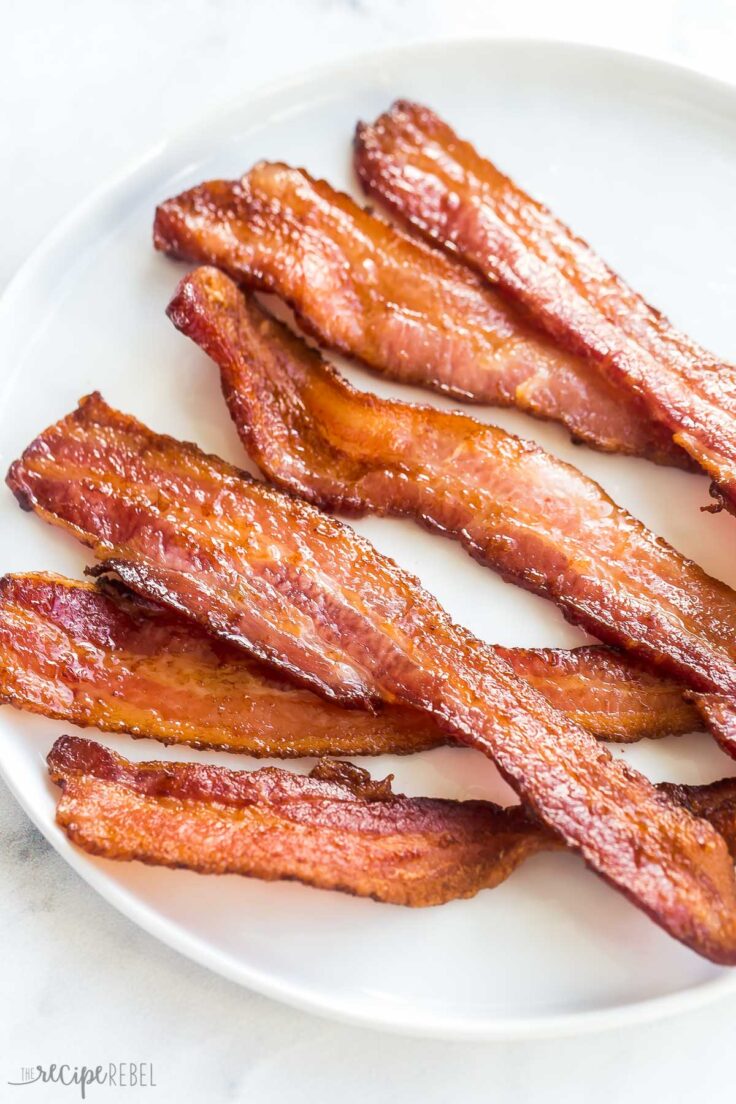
[88, 210]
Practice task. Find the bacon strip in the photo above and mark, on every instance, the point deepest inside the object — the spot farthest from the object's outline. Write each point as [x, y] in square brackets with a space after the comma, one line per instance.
[366, 290]
[335, 828]
[415, 164]
[111, 659]
[517, 509]
[303, 591]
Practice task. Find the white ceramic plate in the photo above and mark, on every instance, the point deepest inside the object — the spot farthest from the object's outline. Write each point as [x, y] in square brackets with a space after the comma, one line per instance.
[640, 158]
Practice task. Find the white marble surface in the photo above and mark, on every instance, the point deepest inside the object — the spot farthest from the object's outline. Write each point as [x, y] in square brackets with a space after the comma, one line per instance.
[85, 88]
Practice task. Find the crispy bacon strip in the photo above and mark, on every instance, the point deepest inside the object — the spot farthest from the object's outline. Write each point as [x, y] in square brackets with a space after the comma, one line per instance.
[531, 517]
[366, 290]
[335, 828]
[109, 658]
[303, 591]
[415, 164]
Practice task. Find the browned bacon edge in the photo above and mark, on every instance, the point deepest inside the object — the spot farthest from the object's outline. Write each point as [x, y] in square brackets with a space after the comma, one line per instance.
[366, 290]
[335, 828]
[418, 167]
[290, 585]
[101, 655]
[719, 715]
[528, 515]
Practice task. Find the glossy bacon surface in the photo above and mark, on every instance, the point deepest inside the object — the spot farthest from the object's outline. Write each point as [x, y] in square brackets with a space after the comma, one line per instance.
[366, 290]
[531, 517]
[335, 828]
[415, 164]
[108, 658]
[295, 587]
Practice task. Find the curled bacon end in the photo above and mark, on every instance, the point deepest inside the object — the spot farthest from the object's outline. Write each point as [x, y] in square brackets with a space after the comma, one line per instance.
[101, 655]
[536, 520]
[274, 576]
[366, 290]
[415, 163]
[335, 828]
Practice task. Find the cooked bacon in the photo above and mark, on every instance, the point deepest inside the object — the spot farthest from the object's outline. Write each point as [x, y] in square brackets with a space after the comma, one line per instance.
[110, 658]
[303, 591]
[415, 164]
[610, 694]
[719, 714]
[525, 513]
[366, 290]
[113, 660]
[715, 802]
[335, 828]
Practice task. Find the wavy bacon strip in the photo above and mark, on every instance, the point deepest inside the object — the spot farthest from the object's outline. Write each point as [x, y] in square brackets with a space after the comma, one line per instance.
[415, 164]
[365, 289]
[303, 591]
[517, 509]
[335, 828]
[109, 658]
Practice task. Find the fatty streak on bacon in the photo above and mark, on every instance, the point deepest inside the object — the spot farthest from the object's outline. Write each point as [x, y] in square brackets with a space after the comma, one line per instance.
[536, 520]
[415, 164]
[366, 290]
[334, 829]
[303, 591]
[109, 658]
